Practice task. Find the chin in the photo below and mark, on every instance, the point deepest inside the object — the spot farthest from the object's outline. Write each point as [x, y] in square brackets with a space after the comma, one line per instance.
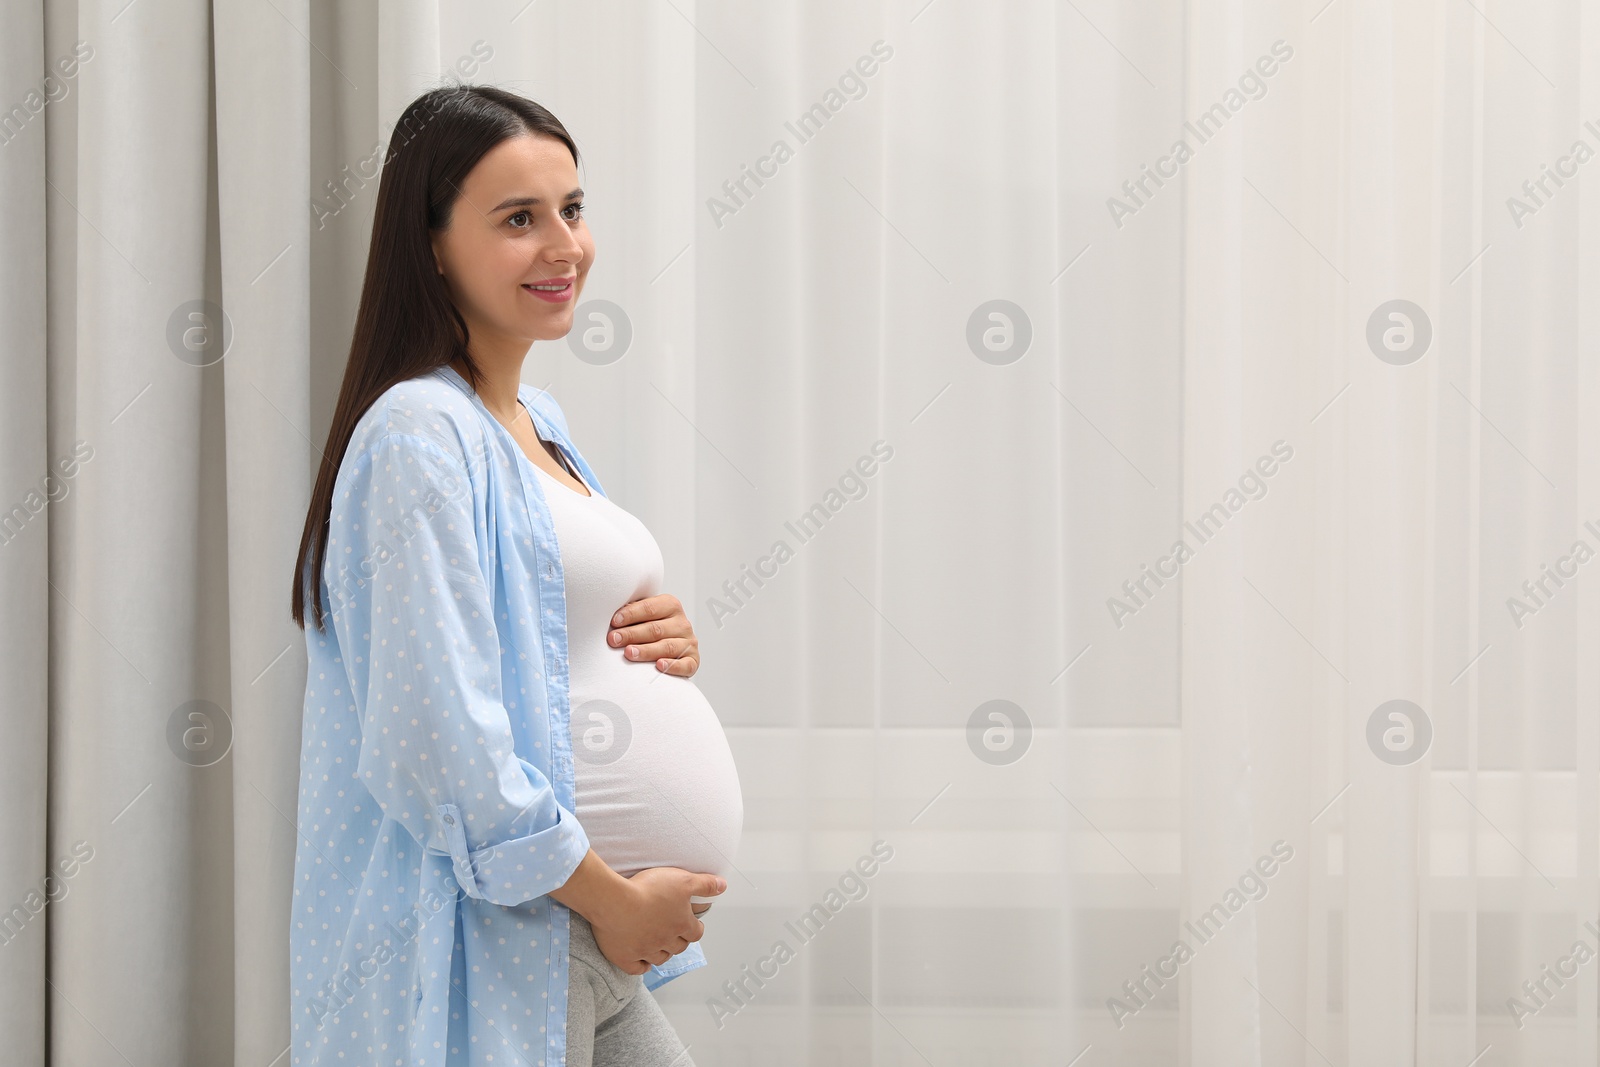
[559, 322]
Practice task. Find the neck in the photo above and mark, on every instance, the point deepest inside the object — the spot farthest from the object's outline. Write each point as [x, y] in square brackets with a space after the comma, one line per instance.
[499, 373]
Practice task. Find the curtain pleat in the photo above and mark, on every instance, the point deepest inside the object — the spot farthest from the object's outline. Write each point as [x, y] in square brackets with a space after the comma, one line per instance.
[263, 154]
[24, 547]
[140, 949]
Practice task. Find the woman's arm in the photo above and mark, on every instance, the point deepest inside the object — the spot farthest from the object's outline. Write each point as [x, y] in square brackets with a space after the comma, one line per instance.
[595, 891]
[642, 920]
[417, 635]
[603, 896]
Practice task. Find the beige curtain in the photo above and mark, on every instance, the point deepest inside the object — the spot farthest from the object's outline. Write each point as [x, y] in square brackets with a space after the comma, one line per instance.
[980, 347]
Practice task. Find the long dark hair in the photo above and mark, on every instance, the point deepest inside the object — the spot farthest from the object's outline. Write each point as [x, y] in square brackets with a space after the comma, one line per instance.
[406, 324]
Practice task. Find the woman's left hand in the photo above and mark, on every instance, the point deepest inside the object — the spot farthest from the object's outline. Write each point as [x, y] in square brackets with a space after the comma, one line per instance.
[656, 627]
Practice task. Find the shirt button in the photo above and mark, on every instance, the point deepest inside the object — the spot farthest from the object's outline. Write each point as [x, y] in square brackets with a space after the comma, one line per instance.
[450, 820]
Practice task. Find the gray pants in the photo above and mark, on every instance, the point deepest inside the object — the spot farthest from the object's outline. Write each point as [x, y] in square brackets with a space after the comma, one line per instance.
[612, 1019]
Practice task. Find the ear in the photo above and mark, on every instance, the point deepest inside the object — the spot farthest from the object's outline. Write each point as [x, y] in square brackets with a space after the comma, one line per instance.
[438, 262]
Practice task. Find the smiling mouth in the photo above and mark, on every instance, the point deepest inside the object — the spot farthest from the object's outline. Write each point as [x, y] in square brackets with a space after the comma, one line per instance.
[556, 292]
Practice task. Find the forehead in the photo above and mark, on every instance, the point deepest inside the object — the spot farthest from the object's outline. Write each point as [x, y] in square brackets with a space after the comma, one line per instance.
[528, 164]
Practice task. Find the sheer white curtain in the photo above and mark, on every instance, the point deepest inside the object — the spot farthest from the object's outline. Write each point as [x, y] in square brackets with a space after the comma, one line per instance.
[980, 346]
[1444, 847]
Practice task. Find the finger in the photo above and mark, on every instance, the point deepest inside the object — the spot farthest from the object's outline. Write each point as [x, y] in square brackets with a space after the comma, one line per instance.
[683, 666]
[633, 611]
[673, 627]
[651, 607]
[669, 648]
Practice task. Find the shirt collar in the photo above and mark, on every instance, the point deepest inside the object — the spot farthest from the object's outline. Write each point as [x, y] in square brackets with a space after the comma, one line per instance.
[525, 393]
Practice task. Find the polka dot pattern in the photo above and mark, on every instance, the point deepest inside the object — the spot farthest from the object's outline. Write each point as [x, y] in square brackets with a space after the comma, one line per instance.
[436, 773]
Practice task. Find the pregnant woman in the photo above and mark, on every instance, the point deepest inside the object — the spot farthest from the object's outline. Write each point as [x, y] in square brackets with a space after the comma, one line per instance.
[514, 802]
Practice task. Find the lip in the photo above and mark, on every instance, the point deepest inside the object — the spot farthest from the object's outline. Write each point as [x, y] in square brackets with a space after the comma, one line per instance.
[553, 297]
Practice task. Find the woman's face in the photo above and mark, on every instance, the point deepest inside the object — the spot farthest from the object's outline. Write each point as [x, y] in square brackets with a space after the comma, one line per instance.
[517, 224]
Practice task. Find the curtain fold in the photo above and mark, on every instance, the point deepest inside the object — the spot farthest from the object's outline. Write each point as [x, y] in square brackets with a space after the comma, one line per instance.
[140, 951]
[263, 167]
[27, 481]
[1220, 829]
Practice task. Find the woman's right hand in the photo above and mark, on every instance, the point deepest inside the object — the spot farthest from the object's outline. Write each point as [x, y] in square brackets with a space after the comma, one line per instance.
[658, 922]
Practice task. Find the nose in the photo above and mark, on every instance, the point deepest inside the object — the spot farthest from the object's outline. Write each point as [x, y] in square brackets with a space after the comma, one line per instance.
[563, 251]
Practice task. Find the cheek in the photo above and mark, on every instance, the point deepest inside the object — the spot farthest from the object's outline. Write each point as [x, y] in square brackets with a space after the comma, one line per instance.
[493, 271]
[503, 261]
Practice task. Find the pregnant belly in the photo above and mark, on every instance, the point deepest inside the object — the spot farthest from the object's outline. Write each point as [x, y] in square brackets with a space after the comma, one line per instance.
[656, 783]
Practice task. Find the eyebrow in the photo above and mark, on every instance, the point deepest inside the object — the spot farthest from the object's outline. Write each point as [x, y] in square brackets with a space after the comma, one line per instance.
[532, 201]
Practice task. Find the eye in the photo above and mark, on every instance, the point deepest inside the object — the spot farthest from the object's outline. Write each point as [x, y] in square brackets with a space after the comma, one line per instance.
[576, 209]
[520, 215]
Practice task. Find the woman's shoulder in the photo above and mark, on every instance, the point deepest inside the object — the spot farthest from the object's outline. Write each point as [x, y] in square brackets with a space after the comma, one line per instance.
[426, 408]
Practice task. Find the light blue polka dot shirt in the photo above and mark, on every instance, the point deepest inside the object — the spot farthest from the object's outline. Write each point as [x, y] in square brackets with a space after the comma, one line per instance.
[436, 776]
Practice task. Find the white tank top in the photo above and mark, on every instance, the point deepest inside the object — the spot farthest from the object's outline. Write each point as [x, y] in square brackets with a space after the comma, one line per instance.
[656, 782]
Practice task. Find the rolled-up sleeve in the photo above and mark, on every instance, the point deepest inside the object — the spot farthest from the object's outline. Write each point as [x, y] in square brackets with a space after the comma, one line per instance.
[412, 610]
